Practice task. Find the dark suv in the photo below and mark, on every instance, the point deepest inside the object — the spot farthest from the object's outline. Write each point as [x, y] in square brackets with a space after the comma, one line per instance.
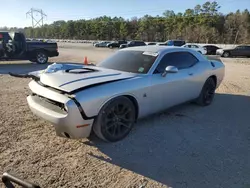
[133, 43]
[116, 44]
[173, 43]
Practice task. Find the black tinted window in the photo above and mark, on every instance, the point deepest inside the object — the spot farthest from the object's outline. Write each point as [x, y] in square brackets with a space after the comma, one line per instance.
[130, 61]
[181, 60]
[244, 47]
[139, 43]
[179, 43]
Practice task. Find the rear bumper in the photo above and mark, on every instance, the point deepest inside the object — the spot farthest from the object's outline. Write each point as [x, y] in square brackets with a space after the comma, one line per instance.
[219, 53]
[67, 122]
[54, 54]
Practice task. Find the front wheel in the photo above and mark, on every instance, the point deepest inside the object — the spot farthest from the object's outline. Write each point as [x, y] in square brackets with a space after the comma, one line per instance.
[41, 57]
[115, 120]
[207, 93]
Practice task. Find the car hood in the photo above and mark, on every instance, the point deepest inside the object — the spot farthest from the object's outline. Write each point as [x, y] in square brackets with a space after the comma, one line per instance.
[70, 77]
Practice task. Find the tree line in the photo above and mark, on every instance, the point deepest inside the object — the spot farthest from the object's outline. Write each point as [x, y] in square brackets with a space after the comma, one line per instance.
[202, 24]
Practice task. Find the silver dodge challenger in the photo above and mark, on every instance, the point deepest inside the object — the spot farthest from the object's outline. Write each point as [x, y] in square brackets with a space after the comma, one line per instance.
[132, 83]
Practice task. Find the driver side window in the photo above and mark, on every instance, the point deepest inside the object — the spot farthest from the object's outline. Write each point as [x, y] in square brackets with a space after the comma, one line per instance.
[181, 60]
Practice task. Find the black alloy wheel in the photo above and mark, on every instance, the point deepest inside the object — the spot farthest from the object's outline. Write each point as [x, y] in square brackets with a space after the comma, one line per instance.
[115, 120]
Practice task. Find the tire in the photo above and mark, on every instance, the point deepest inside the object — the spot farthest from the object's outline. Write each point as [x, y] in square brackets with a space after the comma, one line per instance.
[41, 57]
[226, 54]
[110, 46]
[115, 120]
[207, 93]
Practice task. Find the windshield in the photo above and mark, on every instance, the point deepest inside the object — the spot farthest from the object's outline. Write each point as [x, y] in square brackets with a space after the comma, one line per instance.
[130, 61]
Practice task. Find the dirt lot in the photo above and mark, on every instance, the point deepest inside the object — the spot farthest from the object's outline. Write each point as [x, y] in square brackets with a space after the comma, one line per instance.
[187, 146]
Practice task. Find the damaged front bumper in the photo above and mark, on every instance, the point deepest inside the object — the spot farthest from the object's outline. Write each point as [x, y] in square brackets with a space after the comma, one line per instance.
[60, 110]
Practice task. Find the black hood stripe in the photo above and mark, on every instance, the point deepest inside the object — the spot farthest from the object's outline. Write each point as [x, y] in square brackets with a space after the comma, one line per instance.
[81, 88]
[100, 76]
[97, 84]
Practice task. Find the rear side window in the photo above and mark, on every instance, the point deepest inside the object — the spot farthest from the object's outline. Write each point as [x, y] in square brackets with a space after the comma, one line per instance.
[170, 43]
[179, 43]
[241, 47]
[181, 60]
[139, 43]
[195, 46]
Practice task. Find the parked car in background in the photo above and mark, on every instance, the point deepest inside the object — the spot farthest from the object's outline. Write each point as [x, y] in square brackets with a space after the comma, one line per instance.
[242, 50]
[151, 43]
[95, 42]
[130, 84]
[173, 43]
[116, 44]
[195, 47]
[211, 49]
[101, 44]
[133, 43]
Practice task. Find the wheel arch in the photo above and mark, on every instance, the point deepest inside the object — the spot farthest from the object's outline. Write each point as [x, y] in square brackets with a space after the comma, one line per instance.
[229, 52]
[214, 79]
[135, 102]
[130, 97]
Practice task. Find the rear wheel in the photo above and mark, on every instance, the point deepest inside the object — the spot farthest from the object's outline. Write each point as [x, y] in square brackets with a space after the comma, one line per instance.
[110, 46]
[207, 94]
[41, 57]
[226, 54]
[115, 120]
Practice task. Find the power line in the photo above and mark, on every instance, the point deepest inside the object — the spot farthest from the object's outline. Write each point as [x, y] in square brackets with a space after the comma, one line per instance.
[34, 21]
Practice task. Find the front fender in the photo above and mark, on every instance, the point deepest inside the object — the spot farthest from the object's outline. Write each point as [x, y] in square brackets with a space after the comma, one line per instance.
[115, 96]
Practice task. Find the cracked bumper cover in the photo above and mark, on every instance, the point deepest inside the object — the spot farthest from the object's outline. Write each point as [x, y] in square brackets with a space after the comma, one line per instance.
[68, 122]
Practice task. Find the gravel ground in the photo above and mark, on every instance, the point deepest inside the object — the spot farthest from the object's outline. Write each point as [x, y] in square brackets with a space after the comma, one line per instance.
[186, 146]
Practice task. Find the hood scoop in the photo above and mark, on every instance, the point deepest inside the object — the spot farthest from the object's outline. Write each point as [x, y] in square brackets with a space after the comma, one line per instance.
[80, 71]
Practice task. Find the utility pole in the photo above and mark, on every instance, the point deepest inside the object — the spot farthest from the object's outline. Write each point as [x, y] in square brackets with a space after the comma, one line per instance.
[35, 22]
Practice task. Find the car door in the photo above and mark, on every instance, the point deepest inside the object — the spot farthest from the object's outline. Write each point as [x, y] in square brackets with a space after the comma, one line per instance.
[248, 51]
[245, 51]
[238, 51]
[175, 88]
[212, 50]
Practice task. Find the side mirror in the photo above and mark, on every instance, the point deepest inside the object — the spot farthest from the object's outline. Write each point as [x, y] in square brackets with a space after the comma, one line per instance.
[169, 69]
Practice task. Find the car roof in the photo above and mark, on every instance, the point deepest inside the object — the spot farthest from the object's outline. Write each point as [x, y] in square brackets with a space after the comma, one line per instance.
[155, 48]
[209, 45]
[243, 45]
[192, 44]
